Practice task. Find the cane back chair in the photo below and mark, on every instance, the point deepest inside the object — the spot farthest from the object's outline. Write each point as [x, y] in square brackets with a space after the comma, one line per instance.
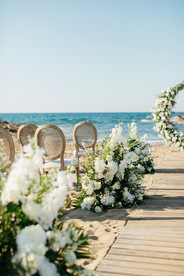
[52, 140]
[8, 149]
[25, 132]
[84, 137]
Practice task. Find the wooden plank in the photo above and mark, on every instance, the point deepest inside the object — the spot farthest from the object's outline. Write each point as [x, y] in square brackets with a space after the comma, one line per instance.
[143, 232]
[153, 238]
[157, 199]
[167, 193]
[145, 259]
[172, 183]
[156, 228]
[116, 274]
[146, 253]
[173, 178]
[122, 240]
[157, 224]
[177, 186]
[148, 217]
[156, 213]
[149, 248]
[135, 271]
[141, 265]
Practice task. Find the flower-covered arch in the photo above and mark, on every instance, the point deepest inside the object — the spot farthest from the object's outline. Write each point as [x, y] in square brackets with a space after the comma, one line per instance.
[162, 117]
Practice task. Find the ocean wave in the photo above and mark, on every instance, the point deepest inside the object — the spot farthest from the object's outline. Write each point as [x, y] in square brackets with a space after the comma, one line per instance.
[156, 142]
[146, 121]
[174, 119]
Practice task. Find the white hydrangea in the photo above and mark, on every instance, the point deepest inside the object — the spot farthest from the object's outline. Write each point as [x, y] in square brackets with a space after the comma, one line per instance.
[107, 199]
[70, 257]
[133, 130]
[116, 185]
[131, 157]
[115, 137]
[30, 237]
[123, 165]
[47, 268]
[128, 196]
[99, 165]
[87, 203]
[137, 150]
[87, 185]
[97, 185]
[56, 240]
[112, 166]
[47, 210]
[19, 181]
[31, 248]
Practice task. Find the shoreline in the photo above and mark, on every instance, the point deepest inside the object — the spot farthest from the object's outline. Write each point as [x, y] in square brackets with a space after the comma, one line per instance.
[12, 128]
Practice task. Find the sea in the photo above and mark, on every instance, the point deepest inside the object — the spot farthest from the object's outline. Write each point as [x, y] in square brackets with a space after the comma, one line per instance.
[104, 122]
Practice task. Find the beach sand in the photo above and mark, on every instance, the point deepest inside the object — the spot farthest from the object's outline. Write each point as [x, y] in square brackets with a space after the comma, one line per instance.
[102, 228]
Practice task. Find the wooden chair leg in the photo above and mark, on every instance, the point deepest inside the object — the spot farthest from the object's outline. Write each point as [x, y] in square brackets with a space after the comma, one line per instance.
[77, 173]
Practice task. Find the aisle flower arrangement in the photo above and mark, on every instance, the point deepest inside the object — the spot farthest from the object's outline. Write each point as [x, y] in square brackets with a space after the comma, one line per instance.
[138, 144]
[33, 238]
[113, 177]
[162, 117]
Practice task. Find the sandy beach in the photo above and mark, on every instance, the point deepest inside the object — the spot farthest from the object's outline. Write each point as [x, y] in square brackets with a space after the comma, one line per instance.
[103, 228]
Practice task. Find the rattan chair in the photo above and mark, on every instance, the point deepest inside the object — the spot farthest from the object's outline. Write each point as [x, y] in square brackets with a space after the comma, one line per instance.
[84, 137]
[24, 132]
[52, 140]
[9, 149]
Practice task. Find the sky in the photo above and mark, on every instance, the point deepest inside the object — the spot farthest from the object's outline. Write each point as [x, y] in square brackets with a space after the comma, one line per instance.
[89, 55]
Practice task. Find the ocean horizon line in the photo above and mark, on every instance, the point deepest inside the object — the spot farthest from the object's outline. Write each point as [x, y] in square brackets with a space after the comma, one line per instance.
[84, 112]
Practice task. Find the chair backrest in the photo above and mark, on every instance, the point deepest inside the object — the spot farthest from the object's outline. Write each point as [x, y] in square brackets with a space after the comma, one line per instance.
[85, 135]
[24, 132]
[8, 148]
[52, 140]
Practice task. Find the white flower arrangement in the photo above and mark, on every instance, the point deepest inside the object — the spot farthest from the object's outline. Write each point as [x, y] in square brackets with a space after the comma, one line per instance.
[114, 176]
[138, 144]
[162, 117]
[32, 239]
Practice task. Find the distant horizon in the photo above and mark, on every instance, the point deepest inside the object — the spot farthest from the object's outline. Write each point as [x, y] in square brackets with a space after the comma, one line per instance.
[83, 112]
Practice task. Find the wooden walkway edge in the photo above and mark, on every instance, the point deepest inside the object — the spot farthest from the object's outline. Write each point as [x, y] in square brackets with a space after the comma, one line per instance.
[152, 242]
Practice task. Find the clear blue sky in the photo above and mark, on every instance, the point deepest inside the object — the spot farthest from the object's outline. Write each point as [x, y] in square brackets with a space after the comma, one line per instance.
[89, 55]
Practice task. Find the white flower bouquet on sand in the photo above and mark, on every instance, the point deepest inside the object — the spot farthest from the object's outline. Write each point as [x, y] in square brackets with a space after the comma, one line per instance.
[114, 177]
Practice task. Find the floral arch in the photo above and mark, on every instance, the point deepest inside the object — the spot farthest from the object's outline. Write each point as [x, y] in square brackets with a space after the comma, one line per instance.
[162, 118]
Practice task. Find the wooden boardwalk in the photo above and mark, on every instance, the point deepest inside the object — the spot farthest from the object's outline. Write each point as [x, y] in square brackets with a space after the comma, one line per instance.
[152, 242]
